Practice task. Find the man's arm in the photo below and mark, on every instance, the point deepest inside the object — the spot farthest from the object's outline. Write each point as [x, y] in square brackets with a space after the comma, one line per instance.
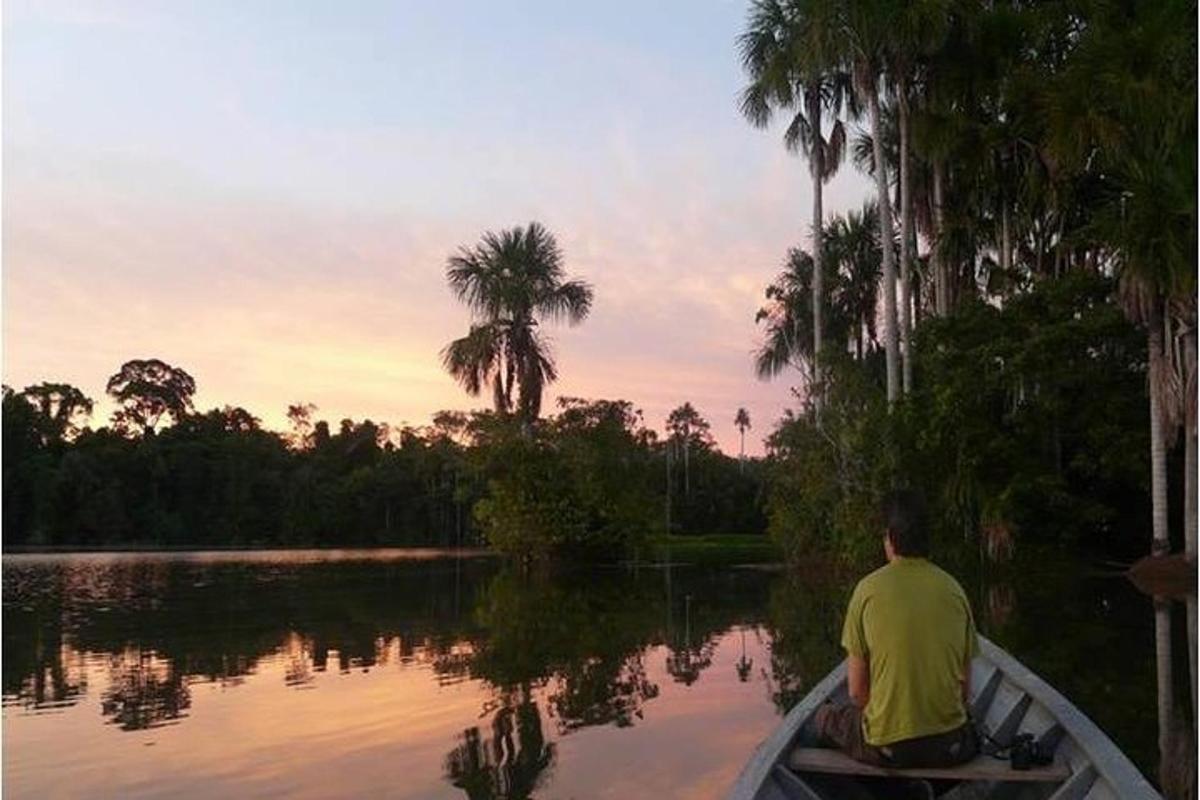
[858, 676]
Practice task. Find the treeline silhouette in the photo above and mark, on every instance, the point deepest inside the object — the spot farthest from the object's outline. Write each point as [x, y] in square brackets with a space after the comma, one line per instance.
[162, 474]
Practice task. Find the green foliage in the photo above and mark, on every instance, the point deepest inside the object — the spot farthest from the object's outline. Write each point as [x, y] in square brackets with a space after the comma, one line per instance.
[824, 479]
[1032, 418]
[576, 487]
[1027, 423]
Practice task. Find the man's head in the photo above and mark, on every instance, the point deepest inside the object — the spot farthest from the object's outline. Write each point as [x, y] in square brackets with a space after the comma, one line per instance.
[905, 530]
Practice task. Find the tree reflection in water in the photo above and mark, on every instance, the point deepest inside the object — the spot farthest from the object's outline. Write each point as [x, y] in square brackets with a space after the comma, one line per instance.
[686, 663]
[48, 674]
[804, 625]
[602, 691]
[144, 691]
[744, 665]
[503, 767]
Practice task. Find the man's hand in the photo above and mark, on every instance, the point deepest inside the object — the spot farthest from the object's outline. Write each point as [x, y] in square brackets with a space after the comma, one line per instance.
[858, 676]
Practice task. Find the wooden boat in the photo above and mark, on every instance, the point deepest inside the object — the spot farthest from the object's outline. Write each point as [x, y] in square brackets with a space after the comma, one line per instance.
[1008, 699]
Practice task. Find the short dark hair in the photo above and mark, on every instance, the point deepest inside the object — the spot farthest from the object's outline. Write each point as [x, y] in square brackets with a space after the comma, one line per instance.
[904, 519]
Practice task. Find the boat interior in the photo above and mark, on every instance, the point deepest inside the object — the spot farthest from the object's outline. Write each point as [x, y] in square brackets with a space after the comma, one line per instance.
[1002, 710]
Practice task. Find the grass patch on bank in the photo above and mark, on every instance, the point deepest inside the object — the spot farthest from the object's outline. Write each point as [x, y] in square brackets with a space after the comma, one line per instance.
[716, 549]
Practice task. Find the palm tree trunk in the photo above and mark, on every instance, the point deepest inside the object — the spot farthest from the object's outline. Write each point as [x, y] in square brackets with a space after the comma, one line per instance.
[1190, 500]
[1166, 679]
[498, 392]
[891, 346]
[1160, 543]
[917, 279]
[816, 162]
[941, 298]
[1190, 484]
[905, 240]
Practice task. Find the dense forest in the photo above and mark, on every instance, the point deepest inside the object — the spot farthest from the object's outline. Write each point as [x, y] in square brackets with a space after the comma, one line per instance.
[1009, 324]
[596, 481]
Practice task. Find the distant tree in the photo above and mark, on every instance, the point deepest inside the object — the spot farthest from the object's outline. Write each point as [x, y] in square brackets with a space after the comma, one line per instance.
[742, 421]
[686, 424]
[147, 391]
[687, 430]
[23, 445]
[511, 281]
[300, 419]
[320, 434]
[62, 407]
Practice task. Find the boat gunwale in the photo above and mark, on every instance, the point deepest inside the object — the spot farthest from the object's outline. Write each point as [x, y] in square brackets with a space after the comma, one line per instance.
[771, 750]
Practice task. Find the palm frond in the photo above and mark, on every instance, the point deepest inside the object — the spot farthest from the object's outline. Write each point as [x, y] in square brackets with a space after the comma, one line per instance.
[570, 301]
[835, 150]
[475, 358]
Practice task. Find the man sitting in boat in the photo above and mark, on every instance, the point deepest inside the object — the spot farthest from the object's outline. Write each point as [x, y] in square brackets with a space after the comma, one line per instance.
[909, 639]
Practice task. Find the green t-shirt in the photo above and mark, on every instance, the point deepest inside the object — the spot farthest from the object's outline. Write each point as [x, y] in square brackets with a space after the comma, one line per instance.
[912, 622]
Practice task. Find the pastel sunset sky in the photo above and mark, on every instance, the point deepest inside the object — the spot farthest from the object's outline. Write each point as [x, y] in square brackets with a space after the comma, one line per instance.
[265, 193]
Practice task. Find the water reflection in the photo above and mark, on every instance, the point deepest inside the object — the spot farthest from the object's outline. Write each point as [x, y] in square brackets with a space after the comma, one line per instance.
[502, 767]
[744, 664]
[143, 691]
[544, 656]
[478, 675]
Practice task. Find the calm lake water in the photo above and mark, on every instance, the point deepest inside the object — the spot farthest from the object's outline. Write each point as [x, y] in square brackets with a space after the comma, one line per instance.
[400, 674]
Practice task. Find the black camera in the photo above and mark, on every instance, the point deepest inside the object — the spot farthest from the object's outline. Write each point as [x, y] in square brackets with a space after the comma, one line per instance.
[1026, 753]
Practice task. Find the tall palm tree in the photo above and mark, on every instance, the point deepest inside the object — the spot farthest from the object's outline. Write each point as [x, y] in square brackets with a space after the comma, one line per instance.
[512, 281]
[921, 25]
[783, 52]
[865, 28]
[742, 422]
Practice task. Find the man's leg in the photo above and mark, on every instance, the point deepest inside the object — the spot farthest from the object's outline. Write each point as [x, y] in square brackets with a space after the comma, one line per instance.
[840, 726]
[940, 750]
